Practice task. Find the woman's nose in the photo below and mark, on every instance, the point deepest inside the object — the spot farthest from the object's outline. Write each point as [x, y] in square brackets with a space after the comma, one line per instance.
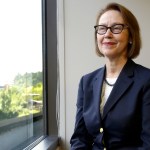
[108, 33]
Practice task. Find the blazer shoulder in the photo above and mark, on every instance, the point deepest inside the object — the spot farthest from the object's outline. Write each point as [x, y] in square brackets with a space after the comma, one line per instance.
[90, 77]
[142, 74]
[93, 74]
[142, 70]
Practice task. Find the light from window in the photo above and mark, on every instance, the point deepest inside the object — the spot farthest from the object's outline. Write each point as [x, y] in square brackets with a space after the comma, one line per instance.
[21, 85]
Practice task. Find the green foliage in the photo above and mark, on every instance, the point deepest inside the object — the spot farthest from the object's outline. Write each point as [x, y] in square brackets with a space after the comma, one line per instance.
[14, 99]
[37, 89]
[28, 79]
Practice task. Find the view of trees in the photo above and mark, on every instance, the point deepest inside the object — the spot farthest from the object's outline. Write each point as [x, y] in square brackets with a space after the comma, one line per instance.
[22, 97]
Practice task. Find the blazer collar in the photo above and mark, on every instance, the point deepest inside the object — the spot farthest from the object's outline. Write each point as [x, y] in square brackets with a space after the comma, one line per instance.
[122, 84]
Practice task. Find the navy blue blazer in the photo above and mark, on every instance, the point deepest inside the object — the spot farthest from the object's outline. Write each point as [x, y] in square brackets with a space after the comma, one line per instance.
[125, 124]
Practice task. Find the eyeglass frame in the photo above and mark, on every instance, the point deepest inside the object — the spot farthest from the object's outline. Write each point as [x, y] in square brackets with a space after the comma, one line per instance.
[124, 26]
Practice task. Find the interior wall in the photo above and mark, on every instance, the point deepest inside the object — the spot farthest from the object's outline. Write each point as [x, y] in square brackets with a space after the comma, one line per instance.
[77, 50]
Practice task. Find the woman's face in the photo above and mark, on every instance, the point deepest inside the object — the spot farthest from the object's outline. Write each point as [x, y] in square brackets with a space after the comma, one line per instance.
[113, 45]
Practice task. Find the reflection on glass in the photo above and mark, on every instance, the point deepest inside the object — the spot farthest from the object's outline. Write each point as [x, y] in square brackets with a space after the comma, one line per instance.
[21, 85]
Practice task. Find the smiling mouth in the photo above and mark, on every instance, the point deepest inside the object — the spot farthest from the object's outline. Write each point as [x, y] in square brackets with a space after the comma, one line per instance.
[108, 44]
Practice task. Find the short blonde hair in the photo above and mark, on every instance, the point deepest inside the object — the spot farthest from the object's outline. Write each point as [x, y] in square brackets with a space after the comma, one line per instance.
[134, 29]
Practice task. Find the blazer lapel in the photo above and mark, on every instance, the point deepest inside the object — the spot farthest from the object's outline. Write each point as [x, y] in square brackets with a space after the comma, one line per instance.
[92, 104]
[122, 84]
[97, 88]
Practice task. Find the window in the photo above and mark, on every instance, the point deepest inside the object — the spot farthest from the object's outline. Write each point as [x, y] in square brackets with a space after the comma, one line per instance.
[27, 85]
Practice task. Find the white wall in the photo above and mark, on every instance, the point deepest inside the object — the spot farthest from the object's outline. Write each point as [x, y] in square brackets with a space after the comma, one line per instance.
[76, 19]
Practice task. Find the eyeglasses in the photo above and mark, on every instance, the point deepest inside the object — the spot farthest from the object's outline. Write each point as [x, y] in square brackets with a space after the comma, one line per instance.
[115, 29]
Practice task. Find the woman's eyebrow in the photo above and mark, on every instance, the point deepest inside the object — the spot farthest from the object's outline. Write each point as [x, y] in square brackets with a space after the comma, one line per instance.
[104, 24]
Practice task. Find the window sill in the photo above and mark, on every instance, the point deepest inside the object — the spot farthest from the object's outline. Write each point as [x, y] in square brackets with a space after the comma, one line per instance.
[49, 143]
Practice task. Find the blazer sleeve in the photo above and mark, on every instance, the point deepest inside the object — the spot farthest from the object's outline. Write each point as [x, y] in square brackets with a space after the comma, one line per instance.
[145, 132]
[80, 138]
[145, 135]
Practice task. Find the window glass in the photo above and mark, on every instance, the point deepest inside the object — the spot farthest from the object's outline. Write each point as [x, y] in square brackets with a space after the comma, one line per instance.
[21, 85]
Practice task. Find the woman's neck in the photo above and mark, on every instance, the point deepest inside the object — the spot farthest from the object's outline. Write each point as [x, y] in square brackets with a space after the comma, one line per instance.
[113, 68]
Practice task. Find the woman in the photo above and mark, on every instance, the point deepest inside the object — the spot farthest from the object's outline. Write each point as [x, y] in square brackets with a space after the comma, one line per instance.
[113, 105]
